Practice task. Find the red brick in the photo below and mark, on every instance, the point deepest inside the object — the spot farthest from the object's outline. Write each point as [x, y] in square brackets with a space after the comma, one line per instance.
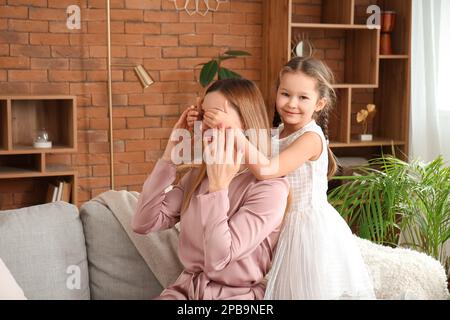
[161, 64]
[179, 52]
[195, 18]
[34, 3]
[145, 99]
[142, 145]
[47, 14]
[229, 18]
[13, 12]
[240, 6]
[49, 38]
[41, 63]
[181, 98]
[97, 182]
[157, 133]
[87, 87]
[139, 4]
[143, 52]
[87, 64]
[210, 28]
[70, 51]
[160, 16]
[129, 157]
[231, 41]
[162, 110]
[246, 30]
[127, 15]
[102, 4]
[28, 25]
[14, 62]
[99, 27]
[142, 28]
[120, 169]
[182, 75]
[127, 39]
[4, 50]
[69, 76]
[13, 37]
[128, 112]
[165, 87]
[161, 41]
[49, 88]
[30, 51]
[15, 88]
[129, 134]
[135, 123]
[177, 28]
[28, 75]
[196, 40]
[153, 155]
[82, 39]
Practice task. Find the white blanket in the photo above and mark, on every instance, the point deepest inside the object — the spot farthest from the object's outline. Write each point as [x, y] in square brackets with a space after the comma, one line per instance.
[158, 249]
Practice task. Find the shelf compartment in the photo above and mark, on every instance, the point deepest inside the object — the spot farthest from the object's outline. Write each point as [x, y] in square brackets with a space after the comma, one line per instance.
[30, 191]
[4, 127]
[350, 51]
[401, 33]
[392, 100]
[12, 166]
[339, 130]
[55, 115]
[323, 11]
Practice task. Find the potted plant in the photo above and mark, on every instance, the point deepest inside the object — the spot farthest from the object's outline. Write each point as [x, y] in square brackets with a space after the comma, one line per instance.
[392, 202]
[213, 69]
[363, 117]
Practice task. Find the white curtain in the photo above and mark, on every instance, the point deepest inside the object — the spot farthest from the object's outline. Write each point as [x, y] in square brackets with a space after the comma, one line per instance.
[430, 101]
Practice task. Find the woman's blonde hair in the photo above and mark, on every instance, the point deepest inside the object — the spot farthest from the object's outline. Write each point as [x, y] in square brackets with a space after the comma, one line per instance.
[245, 97]
[319, 71]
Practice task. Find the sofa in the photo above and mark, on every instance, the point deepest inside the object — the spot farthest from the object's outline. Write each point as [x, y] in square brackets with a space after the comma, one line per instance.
[55, 251]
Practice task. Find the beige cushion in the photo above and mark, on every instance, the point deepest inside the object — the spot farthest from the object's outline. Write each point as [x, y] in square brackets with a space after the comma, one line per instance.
[9, 289]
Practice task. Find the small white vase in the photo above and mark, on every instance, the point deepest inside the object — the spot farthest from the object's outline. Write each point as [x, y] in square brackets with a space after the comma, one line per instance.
[366, 137]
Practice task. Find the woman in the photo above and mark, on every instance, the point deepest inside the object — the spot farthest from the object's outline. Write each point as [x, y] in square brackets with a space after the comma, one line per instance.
[230, 222]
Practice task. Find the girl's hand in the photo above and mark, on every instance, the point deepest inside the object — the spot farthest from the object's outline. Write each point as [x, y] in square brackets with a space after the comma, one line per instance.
[215, 118]
[222, 160]
[194, 114]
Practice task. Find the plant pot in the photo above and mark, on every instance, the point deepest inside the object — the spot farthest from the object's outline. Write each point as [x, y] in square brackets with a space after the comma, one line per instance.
[366, 137]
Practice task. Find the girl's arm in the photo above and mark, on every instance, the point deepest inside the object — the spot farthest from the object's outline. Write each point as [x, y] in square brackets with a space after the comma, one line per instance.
[305, 148]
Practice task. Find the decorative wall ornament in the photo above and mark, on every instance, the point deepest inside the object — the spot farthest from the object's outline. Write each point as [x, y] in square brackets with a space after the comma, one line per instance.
[201, 7]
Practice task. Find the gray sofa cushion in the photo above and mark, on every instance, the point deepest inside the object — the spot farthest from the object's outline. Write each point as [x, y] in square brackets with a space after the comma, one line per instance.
[44, 248]
[116, 269]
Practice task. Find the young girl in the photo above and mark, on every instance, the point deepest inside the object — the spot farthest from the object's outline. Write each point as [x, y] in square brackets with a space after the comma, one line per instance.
[317, 256]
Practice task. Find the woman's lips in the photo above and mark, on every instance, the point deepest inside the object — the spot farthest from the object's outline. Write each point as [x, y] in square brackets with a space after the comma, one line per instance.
[292, 113]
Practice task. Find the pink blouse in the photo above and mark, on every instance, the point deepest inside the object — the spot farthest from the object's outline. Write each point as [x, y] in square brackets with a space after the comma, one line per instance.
[227, 238]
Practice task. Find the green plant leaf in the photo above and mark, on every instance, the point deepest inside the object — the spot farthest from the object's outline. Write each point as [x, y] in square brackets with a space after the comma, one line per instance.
[225, 73]
[237, 53]
[208, 72]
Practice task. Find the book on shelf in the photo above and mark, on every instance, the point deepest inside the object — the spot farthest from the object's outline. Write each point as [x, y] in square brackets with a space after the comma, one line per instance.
[52, 190]
[59, 192]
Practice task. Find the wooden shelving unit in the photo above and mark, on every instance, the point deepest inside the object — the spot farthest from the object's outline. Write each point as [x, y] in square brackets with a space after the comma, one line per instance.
[338, 32]
[20, 118]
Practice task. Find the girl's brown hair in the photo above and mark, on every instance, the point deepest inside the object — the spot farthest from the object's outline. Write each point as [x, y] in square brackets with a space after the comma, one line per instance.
[318, 70]
[244, 96]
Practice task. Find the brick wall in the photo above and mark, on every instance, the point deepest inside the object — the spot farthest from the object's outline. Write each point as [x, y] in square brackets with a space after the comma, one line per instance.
[39, 55]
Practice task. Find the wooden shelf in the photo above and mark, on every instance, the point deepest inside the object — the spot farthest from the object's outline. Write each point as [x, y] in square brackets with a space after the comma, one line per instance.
[20, 118]
[360, 144]
[394, 57]
[339, 35]
[32, 150]
[330, 26]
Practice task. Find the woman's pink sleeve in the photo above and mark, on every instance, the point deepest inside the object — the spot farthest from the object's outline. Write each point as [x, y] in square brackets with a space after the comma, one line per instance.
[156, 209]
[228, 240]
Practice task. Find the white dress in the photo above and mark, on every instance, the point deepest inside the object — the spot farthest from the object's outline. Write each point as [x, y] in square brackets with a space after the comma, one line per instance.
[317, 256]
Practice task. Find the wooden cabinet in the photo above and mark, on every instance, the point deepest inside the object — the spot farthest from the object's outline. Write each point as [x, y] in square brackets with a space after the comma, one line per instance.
[25, 169]
[339, 35]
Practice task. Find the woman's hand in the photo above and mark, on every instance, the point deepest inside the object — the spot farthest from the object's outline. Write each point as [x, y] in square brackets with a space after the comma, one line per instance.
[222, 160]
[181, 124]
[215, 118]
